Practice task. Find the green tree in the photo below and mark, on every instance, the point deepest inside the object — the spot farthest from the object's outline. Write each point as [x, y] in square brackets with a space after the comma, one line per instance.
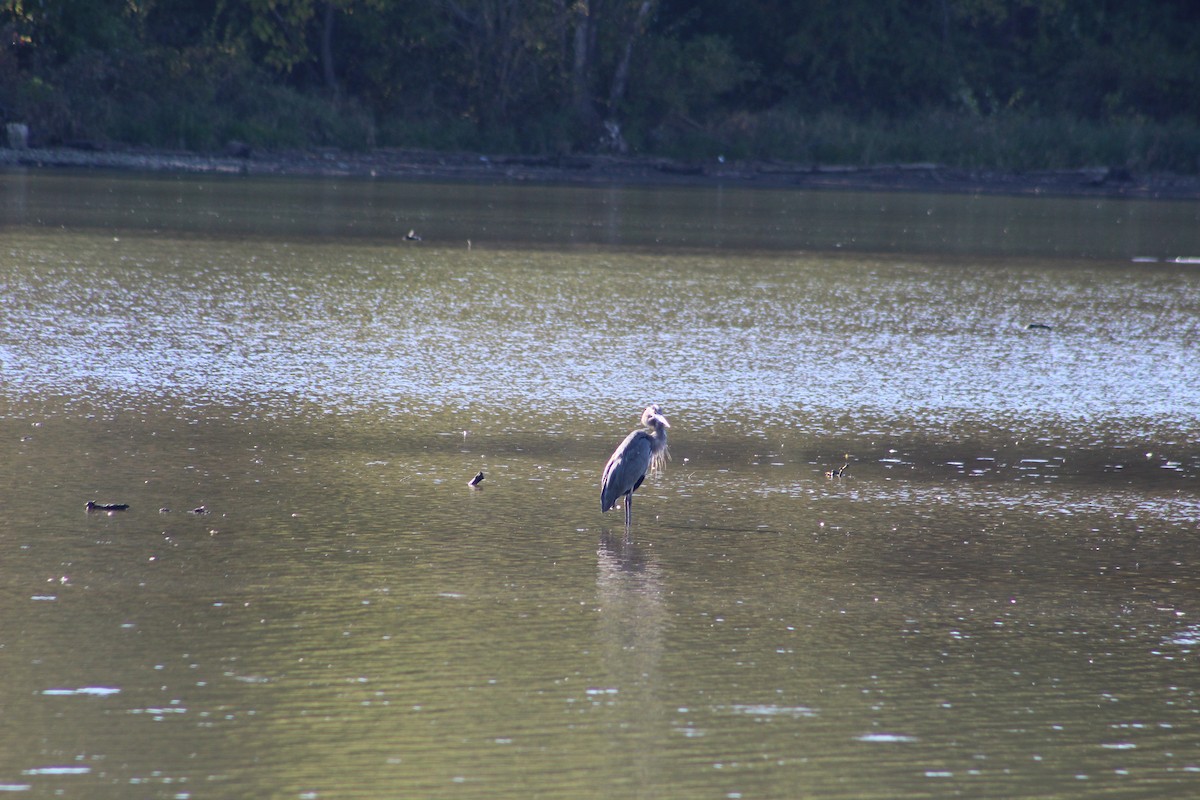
[287, 34]
[58, 30]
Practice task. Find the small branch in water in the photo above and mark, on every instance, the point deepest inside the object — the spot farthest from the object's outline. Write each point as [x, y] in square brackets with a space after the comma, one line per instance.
[109, 507]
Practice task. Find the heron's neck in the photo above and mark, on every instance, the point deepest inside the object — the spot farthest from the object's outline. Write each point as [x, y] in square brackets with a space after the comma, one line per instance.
[658, 451]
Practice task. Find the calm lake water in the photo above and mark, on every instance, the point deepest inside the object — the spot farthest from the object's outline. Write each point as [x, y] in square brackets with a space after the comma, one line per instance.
[999, 598]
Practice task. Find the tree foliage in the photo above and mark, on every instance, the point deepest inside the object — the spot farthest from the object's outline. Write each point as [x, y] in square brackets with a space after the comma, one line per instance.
[555, 75]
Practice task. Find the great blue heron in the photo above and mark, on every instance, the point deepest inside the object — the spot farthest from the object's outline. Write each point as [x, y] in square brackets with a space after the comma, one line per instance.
[642, 450]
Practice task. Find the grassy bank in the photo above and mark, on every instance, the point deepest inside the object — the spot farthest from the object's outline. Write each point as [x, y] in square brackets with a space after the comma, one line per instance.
[1006, 141]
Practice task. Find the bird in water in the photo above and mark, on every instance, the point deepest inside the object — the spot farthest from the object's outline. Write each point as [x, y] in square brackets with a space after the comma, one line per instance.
[840, 471]
[642, 450]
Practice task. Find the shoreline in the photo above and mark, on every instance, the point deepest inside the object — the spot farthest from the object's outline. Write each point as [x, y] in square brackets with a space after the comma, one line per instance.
[427, 165]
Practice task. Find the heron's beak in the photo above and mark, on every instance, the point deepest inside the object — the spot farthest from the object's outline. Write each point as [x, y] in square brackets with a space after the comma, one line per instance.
[663, 420]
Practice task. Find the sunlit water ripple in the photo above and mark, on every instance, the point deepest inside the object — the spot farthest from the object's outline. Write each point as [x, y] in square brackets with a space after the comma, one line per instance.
[361, 327]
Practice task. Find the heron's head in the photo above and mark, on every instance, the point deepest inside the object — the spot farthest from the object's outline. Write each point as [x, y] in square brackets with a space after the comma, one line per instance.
[652, 416]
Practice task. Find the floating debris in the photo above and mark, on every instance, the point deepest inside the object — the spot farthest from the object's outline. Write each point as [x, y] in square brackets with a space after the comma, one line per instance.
[109, 507]
[412, 236]
[886, 738]
[199, 510]
[57, 771]
[478, 479]
[1038, 326]
[92, 691]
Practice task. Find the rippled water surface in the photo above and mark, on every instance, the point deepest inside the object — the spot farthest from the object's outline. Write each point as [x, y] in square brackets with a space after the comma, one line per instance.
[998, 598]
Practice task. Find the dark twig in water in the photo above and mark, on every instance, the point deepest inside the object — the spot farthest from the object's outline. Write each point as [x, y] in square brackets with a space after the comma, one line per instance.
[93, 506]
[478, 479]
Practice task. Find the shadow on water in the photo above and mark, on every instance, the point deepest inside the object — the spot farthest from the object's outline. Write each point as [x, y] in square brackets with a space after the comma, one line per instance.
[522, 217]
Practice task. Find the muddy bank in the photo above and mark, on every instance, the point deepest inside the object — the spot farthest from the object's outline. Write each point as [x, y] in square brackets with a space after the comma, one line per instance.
[401, 164]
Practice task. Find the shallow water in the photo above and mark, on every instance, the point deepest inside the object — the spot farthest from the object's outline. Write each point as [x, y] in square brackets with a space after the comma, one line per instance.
[998, 598]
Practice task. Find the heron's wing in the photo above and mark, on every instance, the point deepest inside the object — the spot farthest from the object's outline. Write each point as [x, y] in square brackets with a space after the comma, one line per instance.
[625, 469]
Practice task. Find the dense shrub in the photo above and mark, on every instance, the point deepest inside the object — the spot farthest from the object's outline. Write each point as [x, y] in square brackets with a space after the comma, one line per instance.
[1020, 84]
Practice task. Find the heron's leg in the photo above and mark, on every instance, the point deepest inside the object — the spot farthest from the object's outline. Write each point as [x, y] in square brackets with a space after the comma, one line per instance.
[628, 511]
